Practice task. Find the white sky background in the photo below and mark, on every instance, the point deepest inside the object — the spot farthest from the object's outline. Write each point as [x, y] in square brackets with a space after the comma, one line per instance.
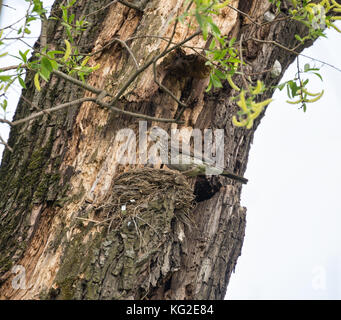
[292, 244]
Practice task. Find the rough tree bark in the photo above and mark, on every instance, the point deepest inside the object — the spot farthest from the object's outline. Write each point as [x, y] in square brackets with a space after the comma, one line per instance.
[63, 172]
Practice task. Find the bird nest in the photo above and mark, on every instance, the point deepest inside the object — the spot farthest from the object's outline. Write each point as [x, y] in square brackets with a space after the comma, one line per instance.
[150, 195]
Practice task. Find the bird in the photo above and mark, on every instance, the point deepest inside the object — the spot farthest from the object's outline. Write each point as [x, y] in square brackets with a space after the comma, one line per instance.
[190, 165]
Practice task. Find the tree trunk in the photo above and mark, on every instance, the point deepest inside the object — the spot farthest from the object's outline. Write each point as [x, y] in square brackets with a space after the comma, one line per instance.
[62, 188]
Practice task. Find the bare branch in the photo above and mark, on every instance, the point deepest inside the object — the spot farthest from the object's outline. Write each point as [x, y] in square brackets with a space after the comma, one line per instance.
[77, 82]
[5, 121]
[129, 50]
[295, 52]
[136, 115]
[56, 108]
[14, 23]
[7, 6]
[100, 9]
[11, 67]
[242, 62]
[32, 104]
[245, 15]
[299, 78]
[2, 141]
[43, 34]
[26, 17]
[79, 101]
[131, 5]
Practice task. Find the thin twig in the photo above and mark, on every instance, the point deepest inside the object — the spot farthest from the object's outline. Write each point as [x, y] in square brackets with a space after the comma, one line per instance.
[148, 224]
[129, 50]
[276, 44]
[11, 67]
[6, 5]
[299, 78]
[43, 35]
[79, 101]
[295, 52]
[14, 23]
[77, 82]
[56, 108]
[26, 18]
[90, 220]
[130, 5]
[5, 121]
[136, 115]
[242, 62]
[32, 104]
[2, 141]
[245, 15]
[100, 9]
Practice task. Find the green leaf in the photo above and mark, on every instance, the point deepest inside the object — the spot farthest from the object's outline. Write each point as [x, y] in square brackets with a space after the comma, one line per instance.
[54, 64]
[31, 18]
[22, 82]
[298, 38]
[36, 81]
[209, 87]
[4, 105]
[71, 18]
[52, 53]
[71, 3]
[317, 74]
[216, 81]
[5, 78]
[288, 90]
[293, 87]
[232, 41]
[46, 64]
[24, 55]
[64, 14]
[44, 73]
[281, 86]
[215, 29]
[212, 44]
[202, 24]
[81, 76]
[219, 74]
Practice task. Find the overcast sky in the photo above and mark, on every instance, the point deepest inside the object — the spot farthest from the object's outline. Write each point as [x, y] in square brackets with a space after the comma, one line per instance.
[293, 232]
[292, 244]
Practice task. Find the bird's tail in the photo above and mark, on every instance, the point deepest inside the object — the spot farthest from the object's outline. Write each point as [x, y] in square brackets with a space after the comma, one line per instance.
[234, 176]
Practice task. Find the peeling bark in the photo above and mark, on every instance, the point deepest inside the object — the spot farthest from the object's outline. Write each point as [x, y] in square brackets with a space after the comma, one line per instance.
[64, 169]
